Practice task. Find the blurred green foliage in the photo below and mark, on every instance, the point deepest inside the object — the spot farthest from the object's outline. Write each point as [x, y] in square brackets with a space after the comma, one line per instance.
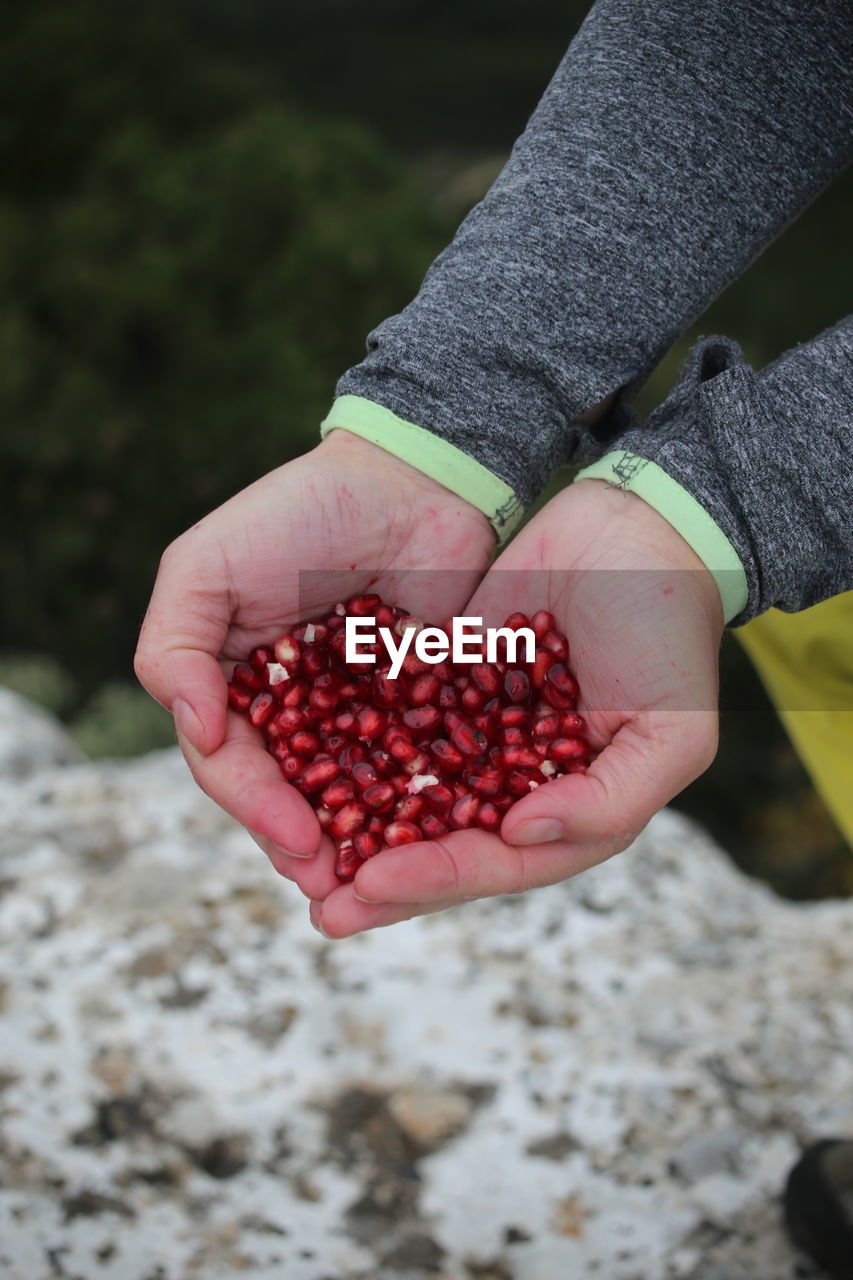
[204, 208]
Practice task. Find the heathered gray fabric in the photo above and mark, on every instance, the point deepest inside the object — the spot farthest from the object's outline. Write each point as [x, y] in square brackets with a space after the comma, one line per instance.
[674, 142]
[769, 456]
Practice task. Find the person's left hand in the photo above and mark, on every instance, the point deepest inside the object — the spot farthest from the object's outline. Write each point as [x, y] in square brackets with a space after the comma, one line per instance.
[644, 621]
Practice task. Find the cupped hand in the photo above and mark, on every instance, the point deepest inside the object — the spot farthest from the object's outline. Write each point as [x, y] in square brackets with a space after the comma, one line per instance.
[644, 621]
[346, 517]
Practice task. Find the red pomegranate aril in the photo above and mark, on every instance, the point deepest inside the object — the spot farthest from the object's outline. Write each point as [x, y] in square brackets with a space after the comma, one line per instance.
[541, 748]
[572, 725]
[304, 743]
[448, 697]
[438, 797]
[347, 724]
[247, 677]
[286, 650]
[486, 678]
[557, 644]
[546, 728]
[385, 616]
[239, 699]
[486, 725]
[324, 816]
[351, 755]
[473, 699]
[291, 768]
[560, 687]
[542, 622]
[562, 750]
[447, 755]
[401, 832]
[517, 620]
[347, 861]
[387, 692]
[371, 723]
[323, 701]
[366, 844]
[337, 794]
[379, 796]
[261, 709]
[418, 764]
[319, 774]
[468, 740]
[260, 658]
[487, 783]
[514, 736]
[383, 763]
[464, 812]
[409, 808]
[443, 672]
[518, 781]
[335, 742]
[287, 720]
[412, 666]
[363, 774]
[314, 660]
[278, 748]
[364, 606]
[517, 685]
[432, 826]
[296, 693]
[514, 716]
[403, 751]
[376, 826]
[422, 720]
[542, 664]
[488, 817]
[423, 690]
[349, 818]
[519, 758]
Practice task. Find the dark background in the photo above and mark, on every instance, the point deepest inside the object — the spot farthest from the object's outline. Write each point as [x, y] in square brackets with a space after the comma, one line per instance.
[203, 209]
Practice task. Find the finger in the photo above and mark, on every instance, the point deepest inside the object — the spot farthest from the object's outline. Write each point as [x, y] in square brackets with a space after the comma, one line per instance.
[471, 864]
[342, 914]
[246, 781]
[314, 876]
[648, 762]
[183, 631]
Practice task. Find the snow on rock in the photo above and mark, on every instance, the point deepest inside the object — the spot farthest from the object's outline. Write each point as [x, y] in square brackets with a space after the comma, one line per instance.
[607, 1078]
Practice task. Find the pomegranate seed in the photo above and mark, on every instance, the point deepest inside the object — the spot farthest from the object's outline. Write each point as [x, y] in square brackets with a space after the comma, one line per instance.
[337, 794]
[409, 808]
[296, 694]
[304, 743]
[349, 818]
[347, 862]
[572, 725]
[387, 692]
[403, 751]
[401, 832]
[468, 740]
[260, 658]
[438, 797]
[366, 844]
[517, 620]
[423, 719]
[371, 723]
[487, 783]
[239, 699]
[513, 736]
[565, 749]
[376, 826]
[542, 622]
[464, 812]
[557, 644]
[542, 663]
[473, 699]
[448, 697]
[319, 774]
[518, 781]
[418, 764]
[519, 758]
[560, 688]
[286, 651]
[246, 677]
[385, 616]
[517, 685]
[363, 774]
[379, 796]
[261, 709]
[432, 826]
[351, 755]
[451, 759]
[383, 763]
[547, 727]
[287, 720]
[347, 724]
[413, 666]
[443, 672]
[291, 767]
[486, 678]
[364, 606]
[514, 716]
[323, 701]
[488, 817]
[425, 689]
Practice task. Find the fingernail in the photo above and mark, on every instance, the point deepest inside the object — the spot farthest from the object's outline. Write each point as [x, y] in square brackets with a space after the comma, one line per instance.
[188, 724]
[292, 853]
[537, 831]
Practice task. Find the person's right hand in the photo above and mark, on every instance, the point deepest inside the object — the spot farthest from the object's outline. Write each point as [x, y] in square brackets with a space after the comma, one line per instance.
[349, 509]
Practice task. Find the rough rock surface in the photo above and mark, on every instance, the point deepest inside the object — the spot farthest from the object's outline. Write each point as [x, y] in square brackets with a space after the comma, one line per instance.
[608, 1078]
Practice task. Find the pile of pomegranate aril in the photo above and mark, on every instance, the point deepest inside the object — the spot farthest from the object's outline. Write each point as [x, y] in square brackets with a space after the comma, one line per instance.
[442, 747]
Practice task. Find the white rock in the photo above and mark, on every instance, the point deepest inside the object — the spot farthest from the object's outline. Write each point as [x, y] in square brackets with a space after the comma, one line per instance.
[31, 740]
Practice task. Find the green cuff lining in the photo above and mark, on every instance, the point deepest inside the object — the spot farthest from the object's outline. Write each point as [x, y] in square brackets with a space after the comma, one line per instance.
[685, 514]
[433, 456]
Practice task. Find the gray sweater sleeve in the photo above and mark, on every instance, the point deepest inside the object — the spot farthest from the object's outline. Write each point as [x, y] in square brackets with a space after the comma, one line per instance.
[674, 142]
[768, 456]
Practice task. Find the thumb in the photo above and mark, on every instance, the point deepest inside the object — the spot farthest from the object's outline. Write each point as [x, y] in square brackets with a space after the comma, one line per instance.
[648, 762]
[183, 631]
